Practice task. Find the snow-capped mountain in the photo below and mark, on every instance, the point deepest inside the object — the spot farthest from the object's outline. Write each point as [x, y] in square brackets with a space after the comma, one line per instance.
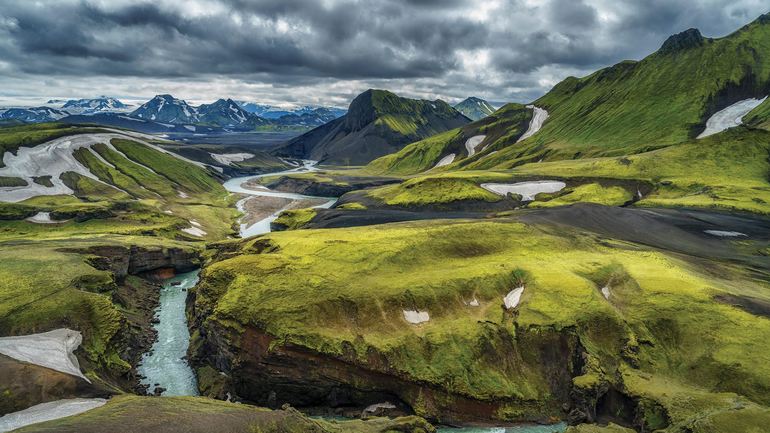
[102, 104]
[275, 112]
[33, 114]
[166, 108]
[227, 113]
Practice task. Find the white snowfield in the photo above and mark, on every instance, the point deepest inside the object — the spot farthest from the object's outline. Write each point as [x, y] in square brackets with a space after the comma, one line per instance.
[42, 218]
[445, 160]
[230, 158]
[724, 233]
[415, 317]
[606, 292]
[527, 190]
[539, 116]
[511, 300]
[48, 411]
[472, 143]
[195, 231]
[730, 117]
[56, 157]
[52, 349]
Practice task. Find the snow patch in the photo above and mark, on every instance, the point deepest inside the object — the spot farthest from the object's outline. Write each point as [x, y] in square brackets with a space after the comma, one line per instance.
[48, 411]
[606, 292]
[474, 303]
[195, 223]
[195, 231]
[472, 143]
[730, 117]
[724, 233]
[230, 158]
[416, 317]
[42, 218]
[182, 194]
[190, 128]
[445, 160]
[511, 300]
[527, 190]
[52, 349]
[539, 116]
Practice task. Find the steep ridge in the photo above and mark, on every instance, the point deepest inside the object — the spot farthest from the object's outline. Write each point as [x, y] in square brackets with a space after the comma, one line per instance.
[501, 129]
[664, 99]
[377, 123]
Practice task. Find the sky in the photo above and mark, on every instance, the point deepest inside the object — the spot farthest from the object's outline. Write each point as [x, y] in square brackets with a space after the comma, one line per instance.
[325, 52]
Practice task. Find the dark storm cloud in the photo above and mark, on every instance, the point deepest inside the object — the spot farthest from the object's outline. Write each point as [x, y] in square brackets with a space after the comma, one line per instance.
[505, 48]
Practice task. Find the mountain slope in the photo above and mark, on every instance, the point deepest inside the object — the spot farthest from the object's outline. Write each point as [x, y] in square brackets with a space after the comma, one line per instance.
[499, 130]
[377, 123]
[474, 108]
[664, 99]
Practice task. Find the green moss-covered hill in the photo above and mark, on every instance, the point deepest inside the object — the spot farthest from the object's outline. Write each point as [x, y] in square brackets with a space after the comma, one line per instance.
[323, 312]
[377, 123]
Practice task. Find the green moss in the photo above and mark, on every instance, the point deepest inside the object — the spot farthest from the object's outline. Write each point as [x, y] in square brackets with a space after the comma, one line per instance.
[586, 193]
[730, 173]
[192, 178]
[295, 219]
[438, 189]
[6, 181]
[352, 206]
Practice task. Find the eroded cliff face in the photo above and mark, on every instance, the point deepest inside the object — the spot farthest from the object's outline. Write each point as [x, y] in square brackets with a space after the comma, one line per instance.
[135, 260]
[259, 368]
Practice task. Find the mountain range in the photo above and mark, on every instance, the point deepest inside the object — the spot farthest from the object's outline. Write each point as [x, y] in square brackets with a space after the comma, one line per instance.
[164, 113]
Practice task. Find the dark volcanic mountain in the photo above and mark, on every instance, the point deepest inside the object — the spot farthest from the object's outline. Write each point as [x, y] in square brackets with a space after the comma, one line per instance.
[377, 123]
[475, 108]
[227, 113]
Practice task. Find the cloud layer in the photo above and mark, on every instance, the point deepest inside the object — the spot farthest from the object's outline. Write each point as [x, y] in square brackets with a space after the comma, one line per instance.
[326, 51]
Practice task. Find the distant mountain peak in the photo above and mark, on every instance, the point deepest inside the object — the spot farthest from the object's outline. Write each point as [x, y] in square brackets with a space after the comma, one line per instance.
[687, 39]
[474, 108]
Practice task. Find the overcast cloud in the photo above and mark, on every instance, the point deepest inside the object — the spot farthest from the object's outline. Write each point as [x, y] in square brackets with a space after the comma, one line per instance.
[327, 51]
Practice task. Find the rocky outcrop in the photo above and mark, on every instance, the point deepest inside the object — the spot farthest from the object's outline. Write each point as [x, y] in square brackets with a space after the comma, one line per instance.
[687, 39]
[134, 260]
[23, 385]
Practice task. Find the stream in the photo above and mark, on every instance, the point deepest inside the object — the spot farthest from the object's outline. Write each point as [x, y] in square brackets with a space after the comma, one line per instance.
[165, 364]
[235, 185]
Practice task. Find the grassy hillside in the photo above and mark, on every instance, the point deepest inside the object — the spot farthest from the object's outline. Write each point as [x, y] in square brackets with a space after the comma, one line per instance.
[663, 99]
[727, 171]
[501, 129]
[377, 123]
[341, 293]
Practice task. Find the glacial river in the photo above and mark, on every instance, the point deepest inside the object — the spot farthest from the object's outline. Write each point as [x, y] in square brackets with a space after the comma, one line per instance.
[166, 364]
[235, 185]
